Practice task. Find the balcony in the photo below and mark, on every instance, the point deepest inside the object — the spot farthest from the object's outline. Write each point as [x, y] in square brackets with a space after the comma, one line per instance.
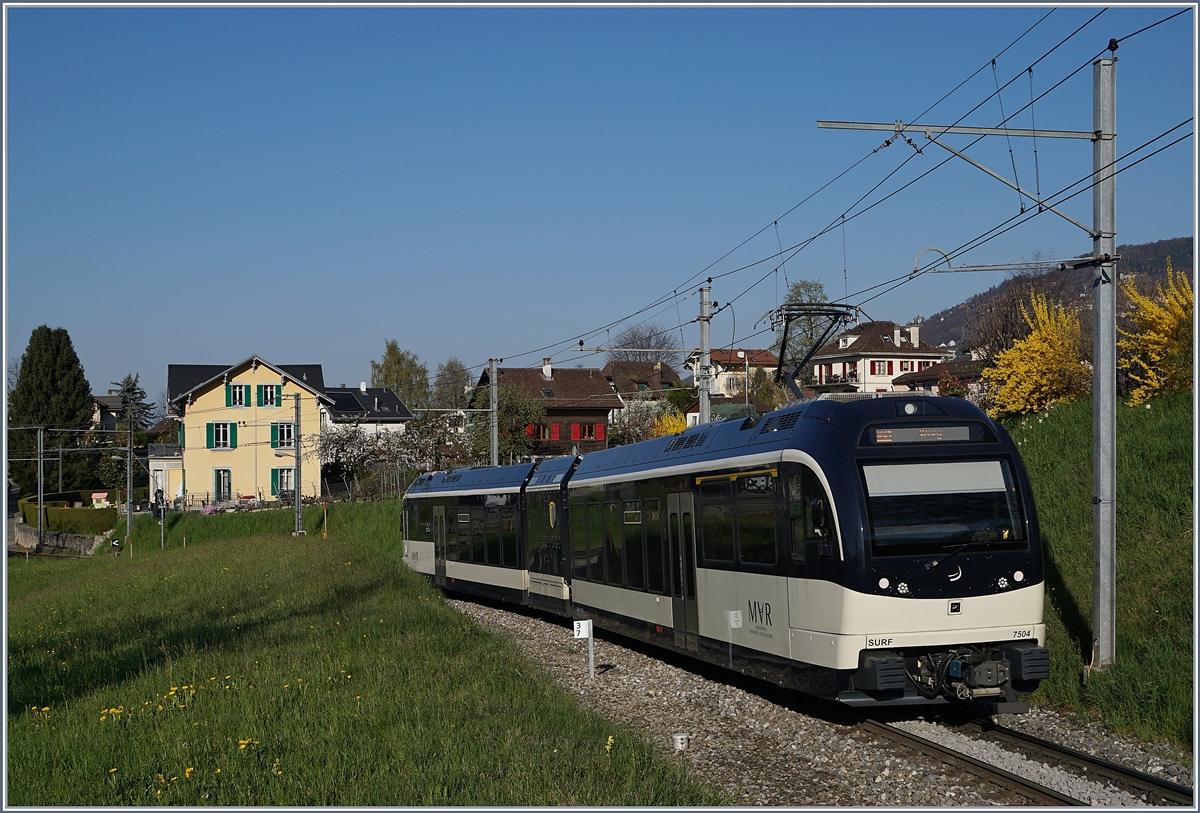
[165, 450]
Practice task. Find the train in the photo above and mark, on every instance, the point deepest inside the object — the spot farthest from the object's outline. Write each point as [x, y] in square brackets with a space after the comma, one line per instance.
[877, 549]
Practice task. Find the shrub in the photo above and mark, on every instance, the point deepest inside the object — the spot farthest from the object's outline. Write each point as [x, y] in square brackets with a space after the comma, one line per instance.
[1160, 350]
[1043, 368]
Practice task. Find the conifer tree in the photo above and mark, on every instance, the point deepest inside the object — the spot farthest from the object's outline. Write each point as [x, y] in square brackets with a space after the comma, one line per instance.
[51, 391]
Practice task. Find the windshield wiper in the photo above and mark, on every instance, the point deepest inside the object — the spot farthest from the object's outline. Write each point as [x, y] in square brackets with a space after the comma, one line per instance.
[957, 550]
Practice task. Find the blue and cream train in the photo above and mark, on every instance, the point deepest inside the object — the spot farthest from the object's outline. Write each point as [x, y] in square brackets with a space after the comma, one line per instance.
[883, 550]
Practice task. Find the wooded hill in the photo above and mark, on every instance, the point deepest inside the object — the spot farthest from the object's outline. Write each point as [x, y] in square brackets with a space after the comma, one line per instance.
[1148, 260]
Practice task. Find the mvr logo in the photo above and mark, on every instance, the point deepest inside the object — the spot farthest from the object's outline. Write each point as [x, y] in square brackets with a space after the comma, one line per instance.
[759, 612]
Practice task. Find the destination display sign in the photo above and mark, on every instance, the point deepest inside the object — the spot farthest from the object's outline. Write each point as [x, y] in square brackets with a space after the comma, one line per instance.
[922, 434]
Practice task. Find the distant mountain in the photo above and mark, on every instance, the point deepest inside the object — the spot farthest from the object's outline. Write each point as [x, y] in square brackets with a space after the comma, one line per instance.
[1149, 259]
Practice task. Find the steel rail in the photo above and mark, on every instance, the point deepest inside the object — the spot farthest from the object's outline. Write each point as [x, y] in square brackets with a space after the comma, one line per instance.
[1157, 791]
[1026, 788]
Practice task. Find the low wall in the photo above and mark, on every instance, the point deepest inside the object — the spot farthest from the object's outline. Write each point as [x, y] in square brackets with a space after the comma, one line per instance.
[26, 537]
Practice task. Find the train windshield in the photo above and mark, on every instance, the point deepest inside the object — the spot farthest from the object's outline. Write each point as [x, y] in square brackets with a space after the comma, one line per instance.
[921, 508]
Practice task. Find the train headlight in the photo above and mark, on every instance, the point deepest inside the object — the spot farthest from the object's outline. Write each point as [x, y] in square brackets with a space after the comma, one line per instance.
[1002, 583]
[910, 409]
[902, 588]
[884, 583]
[1019, 577]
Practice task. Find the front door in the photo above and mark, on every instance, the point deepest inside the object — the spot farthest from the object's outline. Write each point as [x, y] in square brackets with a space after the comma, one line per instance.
[439, 545]
[681, 533]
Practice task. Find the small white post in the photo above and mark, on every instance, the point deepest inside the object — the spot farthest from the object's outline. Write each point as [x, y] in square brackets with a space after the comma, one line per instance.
[583, 629]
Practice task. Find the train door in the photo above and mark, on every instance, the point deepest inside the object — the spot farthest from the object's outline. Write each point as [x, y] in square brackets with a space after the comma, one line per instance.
[439, 545]
[681, 534]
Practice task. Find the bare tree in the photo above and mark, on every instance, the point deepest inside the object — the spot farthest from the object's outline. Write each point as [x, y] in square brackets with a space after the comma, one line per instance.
[995, 321]
[647, 342]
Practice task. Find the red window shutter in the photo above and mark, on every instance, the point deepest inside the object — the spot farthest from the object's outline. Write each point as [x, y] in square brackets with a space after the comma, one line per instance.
[575, 434]
[599, 431]
[553, 431]
[889, 367]
[529, 430]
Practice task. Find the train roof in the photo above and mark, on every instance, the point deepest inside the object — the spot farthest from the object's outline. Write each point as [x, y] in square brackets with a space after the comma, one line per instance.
[772, 432]
[489, 477]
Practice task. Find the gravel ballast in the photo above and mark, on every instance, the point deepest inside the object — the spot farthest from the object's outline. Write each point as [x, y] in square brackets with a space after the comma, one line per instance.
[761, 753]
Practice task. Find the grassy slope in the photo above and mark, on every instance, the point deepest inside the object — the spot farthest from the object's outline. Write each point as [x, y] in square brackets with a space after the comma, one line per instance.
[1149, 690]
[280, 671]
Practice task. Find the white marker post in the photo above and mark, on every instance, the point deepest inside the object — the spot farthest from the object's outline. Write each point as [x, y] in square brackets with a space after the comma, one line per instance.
[583, 629]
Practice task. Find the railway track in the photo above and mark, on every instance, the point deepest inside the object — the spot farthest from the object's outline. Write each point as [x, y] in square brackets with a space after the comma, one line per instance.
[1157, 791]
[1154, 790]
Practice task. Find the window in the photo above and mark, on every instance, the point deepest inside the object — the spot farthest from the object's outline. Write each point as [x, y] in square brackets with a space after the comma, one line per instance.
[614, 544]
[237, 395]
[587, 431]
[281, 436]
[812, 519]
[634, 576]
[222, 489]
[221, 435]
[652, 521]
[756, 519]
[906, 366]
[546, 432]
[547, 393]
[922, 508]
[282, 481]
[716, 519]
[268, 395]
[881, 367]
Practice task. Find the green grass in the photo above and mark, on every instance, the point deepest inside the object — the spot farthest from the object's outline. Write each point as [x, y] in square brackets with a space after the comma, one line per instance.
[1148, 690]
[274, 670]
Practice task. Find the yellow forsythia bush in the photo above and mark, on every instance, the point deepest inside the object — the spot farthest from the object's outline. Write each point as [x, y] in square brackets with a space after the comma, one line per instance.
[1044, 367]
[670, 423]
[1158, 354]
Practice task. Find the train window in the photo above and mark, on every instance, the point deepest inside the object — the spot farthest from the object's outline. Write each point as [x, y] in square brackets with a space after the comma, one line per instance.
[492, 531]
[579, 568]
[920, 508]
[756, 519]
[508, 532]
[634, 570]
[595, 535]
[652, 522]
[615, 543]
[688, 540]
[716, 512]
[812, 519]
[478, 536]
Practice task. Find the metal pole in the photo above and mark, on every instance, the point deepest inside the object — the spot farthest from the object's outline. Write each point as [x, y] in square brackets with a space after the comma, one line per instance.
[60, 487]
[129, 483]
[41, 487]
[296, 473]
[705, 355]
[494, 387]
[1104, 384]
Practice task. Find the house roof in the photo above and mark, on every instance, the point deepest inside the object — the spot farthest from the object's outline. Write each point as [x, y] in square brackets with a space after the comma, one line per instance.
[876, 339]
[728, 357]
[964, 371]
[625, 376]
[567, 388]
[374, 405]
[184, 379]
[109, 402]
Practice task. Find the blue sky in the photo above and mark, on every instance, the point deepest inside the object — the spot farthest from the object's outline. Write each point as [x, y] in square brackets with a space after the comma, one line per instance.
[196, 185]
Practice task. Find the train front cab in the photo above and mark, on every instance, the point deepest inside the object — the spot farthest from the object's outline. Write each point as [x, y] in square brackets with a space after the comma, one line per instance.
[942, 587]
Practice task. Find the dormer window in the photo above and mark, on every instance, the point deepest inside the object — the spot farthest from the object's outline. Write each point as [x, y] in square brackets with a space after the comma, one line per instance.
[887, 339]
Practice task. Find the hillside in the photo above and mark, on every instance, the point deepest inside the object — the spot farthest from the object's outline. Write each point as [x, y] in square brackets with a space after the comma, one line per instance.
[1149, 259]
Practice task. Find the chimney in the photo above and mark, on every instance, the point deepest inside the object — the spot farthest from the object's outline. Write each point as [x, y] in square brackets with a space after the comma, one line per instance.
[896, 337]
[914, 334]
[362, 387]
[547, 370]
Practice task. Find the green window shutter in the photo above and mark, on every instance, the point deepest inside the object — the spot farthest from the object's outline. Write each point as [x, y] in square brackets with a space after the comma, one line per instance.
[274, 482]
[179, 434]
[278, 395]
[258, 399]
[208, 430]
[228, 395]
[233, 434]
[274, 436]
[246, 395]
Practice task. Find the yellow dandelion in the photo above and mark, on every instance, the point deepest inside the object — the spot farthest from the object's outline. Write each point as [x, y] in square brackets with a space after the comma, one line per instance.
[160, 707]
[103, 717]
[218, 770]
[187, 773]
[45, 708]
[112, 770]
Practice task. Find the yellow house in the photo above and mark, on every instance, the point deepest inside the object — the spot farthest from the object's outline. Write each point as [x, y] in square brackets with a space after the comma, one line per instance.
[238, 429]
